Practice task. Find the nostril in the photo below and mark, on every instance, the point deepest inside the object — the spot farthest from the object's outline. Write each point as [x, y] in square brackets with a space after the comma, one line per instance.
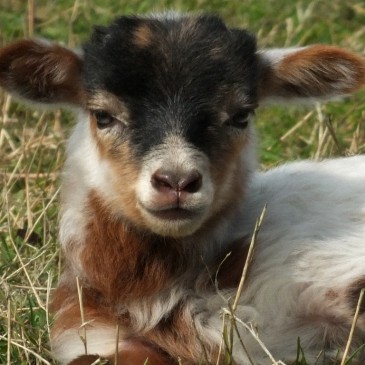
[191, 182]
[164, 180]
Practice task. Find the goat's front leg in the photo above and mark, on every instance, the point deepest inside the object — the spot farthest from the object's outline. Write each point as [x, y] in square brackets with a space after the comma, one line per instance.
[135, 352]
[83, 337]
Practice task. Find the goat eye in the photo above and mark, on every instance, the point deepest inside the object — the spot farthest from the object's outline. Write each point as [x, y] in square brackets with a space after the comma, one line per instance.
[103, 119]
[240, 119]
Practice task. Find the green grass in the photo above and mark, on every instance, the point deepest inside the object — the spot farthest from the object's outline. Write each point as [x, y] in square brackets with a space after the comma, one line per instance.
[32, 142]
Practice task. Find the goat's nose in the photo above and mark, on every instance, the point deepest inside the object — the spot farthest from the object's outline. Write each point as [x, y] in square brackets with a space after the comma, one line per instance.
[189, 182]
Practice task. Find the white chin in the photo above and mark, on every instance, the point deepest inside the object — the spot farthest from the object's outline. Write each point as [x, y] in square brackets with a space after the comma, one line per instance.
[175, 228]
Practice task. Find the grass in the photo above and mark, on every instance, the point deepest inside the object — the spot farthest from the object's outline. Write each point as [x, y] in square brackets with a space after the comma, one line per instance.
[32, 141]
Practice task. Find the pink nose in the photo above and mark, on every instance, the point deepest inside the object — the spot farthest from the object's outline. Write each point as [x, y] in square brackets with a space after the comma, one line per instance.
[166, 181]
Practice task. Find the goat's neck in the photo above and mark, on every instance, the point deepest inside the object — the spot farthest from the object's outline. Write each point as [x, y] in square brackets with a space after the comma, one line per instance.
[126, 264]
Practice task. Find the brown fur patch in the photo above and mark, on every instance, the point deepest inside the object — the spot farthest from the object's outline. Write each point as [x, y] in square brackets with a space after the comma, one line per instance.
[142, 36]
[42, 72]
[314, 72]
[94, 132]
[124, 169]
[332, 294]
[123, 263]
[65, 304]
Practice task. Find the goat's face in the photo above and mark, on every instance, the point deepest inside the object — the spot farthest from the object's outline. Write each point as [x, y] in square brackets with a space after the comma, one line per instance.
[171, 114]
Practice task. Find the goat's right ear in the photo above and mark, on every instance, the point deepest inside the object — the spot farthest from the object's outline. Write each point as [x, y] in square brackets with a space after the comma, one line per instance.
[41, 72]
[311, 73]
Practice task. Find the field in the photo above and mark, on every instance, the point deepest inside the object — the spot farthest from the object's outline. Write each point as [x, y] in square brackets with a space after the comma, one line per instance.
[32, 141]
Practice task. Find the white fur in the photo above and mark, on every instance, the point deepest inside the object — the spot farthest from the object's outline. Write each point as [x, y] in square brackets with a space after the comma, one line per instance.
[100, 340]
[84, 170]
[274, 56]
[311, 243]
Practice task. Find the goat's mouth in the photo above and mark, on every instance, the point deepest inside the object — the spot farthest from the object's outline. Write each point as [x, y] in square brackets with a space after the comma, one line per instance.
[173, 214]
[173, 221]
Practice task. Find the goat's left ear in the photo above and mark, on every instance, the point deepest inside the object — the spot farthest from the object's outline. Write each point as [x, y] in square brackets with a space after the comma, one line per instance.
[41, 72]
[311, 73]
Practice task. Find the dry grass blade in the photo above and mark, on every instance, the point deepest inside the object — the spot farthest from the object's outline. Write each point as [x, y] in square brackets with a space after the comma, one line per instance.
[116, 357]
[24, 269]
[244, 348]
[83, 323]
[30, 351]
[49, 287]
[202, 345]
[31, 15]
[296, 126]
[256, 337]
[233, 308]
[332, 132]
[221, 345]
[9, 332]
[354, 321]
[55, 195]
[248, 259]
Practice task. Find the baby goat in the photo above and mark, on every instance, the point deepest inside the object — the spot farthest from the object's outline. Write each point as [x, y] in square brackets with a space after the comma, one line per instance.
[160, 197]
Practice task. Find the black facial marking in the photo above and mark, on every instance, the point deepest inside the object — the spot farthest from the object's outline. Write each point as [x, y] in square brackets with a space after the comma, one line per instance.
[178, 80]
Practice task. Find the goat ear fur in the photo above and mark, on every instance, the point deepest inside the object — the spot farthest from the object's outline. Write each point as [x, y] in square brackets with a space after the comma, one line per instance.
[41, 72]
[312, 73]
